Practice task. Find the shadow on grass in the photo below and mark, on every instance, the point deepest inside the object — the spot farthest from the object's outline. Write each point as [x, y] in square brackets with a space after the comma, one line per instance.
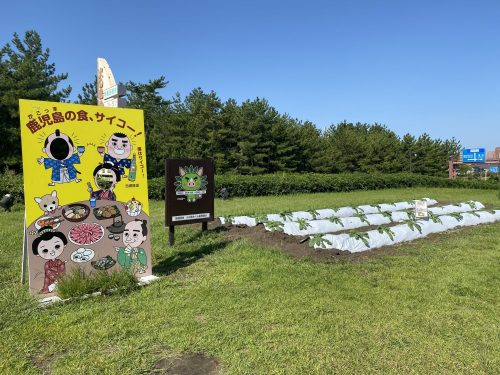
[184, 259]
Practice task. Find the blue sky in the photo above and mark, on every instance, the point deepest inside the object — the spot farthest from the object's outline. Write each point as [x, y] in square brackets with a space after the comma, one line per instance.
[415, 66]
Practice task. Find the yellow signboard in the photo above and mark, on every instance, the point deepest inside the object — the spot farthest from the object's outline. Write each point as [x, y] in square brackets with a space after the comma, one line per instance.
[85, 190]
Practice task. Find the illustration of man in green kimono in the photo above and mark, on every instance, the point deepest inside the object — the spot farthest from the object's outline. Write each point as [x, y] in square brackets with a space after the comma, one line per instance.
[132, 257]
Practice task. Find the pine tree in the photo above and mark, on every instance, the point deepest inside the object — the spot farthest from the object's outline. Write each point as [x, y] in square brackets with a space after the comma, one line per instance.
[25, 73]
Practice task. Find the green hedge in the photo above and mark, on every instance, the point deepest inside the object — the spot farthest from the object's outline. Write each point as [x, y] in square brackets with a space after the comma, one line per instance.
[279, 184]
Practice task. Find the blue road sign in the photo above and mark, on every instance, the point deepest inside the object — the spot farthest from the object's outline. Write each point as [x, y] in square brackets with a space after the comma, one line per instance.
[474, 155]
[494, 169]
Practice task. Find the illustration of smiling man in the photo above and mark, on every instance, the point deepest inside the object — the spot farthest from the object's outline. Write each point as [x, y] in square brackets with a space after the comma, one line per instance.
[132, 257]
[119, 149]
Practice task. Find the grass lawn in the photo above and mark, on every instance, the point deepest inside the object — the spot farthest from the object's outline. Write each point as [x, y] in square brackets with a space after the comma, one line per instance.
[434, 310]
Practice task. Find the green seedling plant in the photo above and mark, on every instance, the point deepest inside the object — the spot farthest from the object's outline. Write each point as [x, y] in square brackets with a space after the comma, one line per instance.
[260, 219]
[362, 217]
[286, 215]
[472, 205]
[318, 240]
[228, 219]
[411, 215]
[385, 229]
[475, 214]
[303, 224]
[361, 236]
[275, 226]
[377, 206]
[358, 210]
[457, 215]
[313, 213]
[336, 220]
[412, 224]
[388, 215]
[435, 218]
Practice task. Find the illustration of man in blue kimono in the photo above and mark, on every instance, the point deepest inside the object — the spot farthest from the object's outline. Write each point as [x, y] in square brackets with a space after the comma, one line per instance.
[61, 158]
[119, 149]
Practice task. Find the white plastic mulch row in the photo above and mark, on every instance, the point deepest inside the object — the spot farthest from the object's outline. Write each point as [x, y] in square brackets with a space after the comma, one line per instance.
[327, 212]
[403, 232]
[353, 222]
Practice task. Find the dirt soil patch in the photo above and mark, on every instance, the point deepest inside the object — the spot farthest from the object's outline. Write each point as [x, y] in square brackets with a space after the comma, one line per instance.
[188, 364]
[297, 246]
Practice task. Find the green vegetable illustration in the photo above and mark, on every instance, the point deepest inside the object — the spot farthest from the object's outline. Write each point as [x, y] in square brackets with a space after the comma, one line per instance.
[191, 179]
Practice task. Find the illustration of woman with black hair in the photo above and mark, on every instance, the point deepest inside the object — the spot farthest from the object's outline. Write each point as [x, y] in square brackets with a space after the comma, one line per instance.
[132, 257]
[106, 176]
[49, 245]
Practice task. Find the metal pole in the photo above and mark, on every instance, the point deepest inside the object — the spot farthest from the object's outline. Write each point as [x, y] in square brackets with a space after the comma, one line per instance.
[204, 227]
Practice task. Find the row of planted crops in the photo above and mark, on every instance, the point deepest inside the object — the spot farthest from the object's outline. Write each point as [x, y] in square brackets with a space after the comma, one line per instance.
[366, 227]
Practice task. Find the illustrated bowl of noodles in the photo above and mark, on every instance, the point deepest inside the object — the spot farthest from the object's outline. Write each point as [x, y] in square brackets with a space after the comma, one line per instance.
[76, 212]
[133, 207]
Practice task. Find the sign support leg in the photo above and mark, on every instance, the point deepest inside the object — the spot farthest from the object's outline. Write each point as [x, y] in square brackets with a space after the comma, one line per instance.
[25, 253]
[204, 227]
[171, 235]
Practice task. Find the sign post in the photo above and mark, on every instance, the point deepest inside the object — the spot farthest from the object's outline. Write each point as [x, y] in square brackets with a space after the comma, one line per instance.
[189, 193]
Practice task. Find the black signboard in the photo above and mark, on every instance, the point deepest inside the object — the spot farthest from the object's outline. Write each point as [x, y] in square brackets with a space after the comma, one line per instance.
[189, 191]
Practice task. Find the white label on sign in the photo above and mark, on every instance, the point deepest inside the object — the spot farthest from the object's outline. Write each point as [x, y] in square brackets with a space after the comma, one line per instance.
[421, 211]
[186, 192]
[191, 217]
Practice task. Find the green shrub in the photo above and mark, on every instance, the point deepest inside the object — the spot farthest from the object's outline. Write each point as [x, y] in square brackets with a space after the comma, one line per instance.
[79, 283]
[289, 183]
[280, 184]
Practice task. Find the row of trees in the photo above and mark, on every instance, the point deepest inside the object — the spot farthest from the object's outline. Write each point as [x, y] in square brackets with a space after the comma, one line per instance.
[249, 138]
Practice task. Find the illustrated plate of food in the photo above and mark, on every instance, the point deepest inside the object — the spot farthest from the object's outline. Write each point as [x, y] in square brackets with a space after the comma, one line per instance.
[106, 212]
[76, 212]
[86, 234]
[48, 221]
